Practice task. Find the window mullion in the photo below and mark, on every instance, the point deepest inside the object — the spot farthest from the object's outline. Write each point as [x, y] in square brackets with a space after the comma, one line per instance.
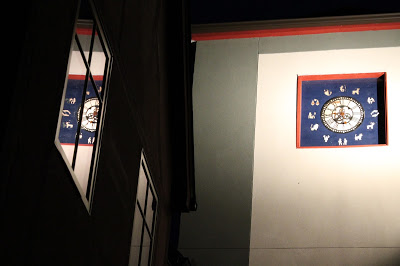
[90, 61]
[142, 232]
[95, 89]
[144, 220]
[87, 65]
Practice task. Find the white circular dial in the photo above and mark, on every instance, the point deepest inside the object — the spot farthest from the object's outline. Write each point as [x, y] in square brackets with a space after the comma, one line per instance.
[90, 114]
[342, 114]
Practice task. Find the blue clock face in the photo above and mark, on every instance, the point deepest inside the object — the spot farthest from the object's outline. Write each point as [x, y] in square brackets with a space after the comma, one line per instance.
[341, 111]
[72, 109]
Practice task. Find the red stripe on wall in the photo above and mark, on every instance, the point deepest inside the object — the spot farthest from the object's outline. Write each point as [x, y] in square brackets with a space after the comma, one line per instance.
[72, 144]
[340, 76]
[82, 31]
[82, 77]
[294, 31]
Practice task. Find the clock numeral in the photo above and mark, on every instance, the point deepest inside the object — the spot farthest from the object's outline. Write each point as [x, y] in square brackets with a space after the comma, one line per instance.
[330, 121]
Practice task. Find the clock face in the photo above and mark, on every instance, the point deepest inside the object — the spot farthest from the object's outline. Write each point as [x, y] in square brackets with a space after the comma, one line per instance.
[90, 114]
[342, 114]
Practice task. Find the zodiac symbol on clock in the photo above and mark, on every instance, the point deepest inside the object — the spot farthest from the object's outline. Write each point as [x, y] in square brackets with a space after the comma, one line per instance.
[67, 124]
[314, 127]
[72, 100]
[370, 100]
[344, 142]
[356, 91]
[374, 113]
[311, 115]
[358, 137]
[327, 92]
[315, 102]
[66, 112]
[371, 125]
[326, 137]
[343, 88]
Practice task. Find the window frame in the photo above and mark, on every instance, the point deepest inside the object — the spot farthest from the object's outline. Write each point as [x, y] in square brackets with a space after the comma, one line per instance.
[97, 28]
[142, 213]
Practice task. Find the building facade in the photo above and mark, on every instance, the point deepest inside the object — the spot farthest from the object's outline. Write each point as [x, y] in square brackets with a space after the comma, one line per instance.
[263, 199]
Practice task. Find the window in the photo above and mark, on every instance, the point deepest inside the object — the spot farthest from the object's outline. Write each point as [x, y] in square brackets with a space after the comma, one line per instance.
[144, 219]
[83, 103]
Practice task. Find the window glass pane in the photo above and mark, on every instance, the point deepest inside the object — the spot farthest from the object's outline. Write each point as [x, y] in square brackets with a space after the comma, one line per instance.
[84, 33]
[71, 104]
[77, 65]
[134, 256]
[151, 206]
[146, 247]
[82, 165]
[136, 238]
[99, 61]
[87, 137]
[142, 186]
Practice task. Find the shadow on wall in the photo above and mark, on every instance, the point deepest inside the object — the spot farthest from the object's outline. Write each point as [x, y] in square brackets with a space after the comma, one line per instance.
[395, 260]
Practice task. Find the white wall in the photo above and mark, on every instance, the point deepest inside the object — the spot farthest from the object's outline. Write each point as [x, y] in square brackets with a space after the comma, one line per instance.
[308, 207]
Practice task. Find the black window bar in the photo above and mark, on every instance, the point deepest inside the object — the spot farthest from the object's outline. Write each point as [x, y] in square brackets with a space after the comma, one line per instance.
[99, 96]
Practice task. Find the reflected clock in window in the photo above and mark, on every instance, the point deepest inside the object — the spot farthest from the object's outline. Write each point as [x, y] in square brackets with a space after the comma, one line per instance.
[90, 114]
[342, 114]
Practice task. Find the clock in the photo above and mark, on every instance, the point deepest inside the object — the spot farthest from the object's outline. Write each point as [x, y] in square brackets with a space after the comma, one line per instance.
[90, 114]
[341, 110]
[342, 114]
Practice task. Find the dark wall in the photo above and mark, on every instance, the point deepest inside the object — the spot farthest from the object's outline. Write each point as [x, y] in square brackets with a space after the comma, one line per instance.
[252, 10]
[44, 219]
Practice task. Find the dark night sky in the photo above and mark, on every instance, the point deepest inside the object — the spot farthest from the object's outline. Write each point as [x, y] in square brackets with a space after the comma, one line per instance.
[217, 11]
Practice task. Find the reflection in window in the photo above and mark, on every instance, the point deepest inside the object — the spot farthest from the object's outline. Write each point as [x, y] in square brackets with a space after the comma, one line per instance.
[144, 219]
[83, 102]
